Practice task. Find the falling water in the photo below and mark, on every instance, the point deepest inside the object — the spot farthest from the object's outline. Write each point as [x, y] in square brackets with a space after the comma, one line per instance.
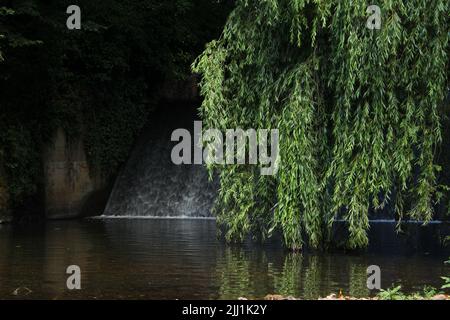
[151, 185]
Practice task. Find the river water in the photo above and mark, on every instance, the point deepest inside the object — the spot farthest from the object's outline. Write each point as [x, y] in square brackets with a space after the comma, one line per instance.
[184, 259]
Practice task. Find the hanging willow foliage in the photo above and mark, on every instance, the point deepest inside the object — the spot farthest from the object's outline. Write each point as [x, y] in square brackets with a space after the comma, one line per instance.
[357, 111]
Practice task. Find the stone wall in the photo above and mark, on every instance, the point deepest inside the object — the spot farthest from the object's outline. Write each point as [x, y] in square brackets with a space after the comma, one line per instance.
[71, 190]
[180, 90]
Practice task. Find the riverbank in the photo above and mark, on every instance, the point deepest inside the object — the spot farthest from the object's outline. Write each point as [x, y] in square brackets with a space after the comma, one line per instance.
[384, 295]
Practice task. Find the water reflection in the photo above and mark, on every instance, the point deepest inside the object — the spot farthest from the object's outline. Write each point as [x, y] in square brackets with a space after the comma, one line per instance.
[287, 281]
[309, 276]
[182, 259]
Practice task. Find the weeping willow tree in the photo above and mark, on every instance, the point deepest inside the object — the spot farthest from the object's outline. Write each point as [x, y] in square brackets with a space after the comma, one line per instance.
[358, 113]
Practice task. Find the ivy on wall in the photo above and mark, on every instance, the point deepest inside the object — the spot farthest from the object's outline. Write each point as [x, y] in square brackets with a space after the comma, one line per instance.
[98, 83]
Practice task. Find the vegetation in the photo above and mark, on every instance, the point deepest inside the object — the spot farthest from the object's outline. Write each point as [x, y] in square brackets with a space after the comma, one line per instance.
[446, 279]
[396, 294]
[428, 292]
[359, 113]
[99, 83]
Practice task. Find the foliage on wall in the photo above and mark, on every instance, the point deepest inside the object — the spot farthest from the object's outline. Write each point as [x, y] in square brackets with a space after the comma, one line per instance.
[98, 83]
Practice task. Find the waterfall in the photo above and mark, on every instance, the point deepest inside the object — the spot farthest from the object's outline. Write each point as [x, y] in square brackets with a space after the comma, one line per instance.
[151, 185]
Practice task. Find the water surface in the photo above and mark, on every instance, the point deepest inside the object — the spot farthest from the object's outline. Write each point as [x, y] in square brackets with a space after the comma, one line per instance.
[183, 259]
